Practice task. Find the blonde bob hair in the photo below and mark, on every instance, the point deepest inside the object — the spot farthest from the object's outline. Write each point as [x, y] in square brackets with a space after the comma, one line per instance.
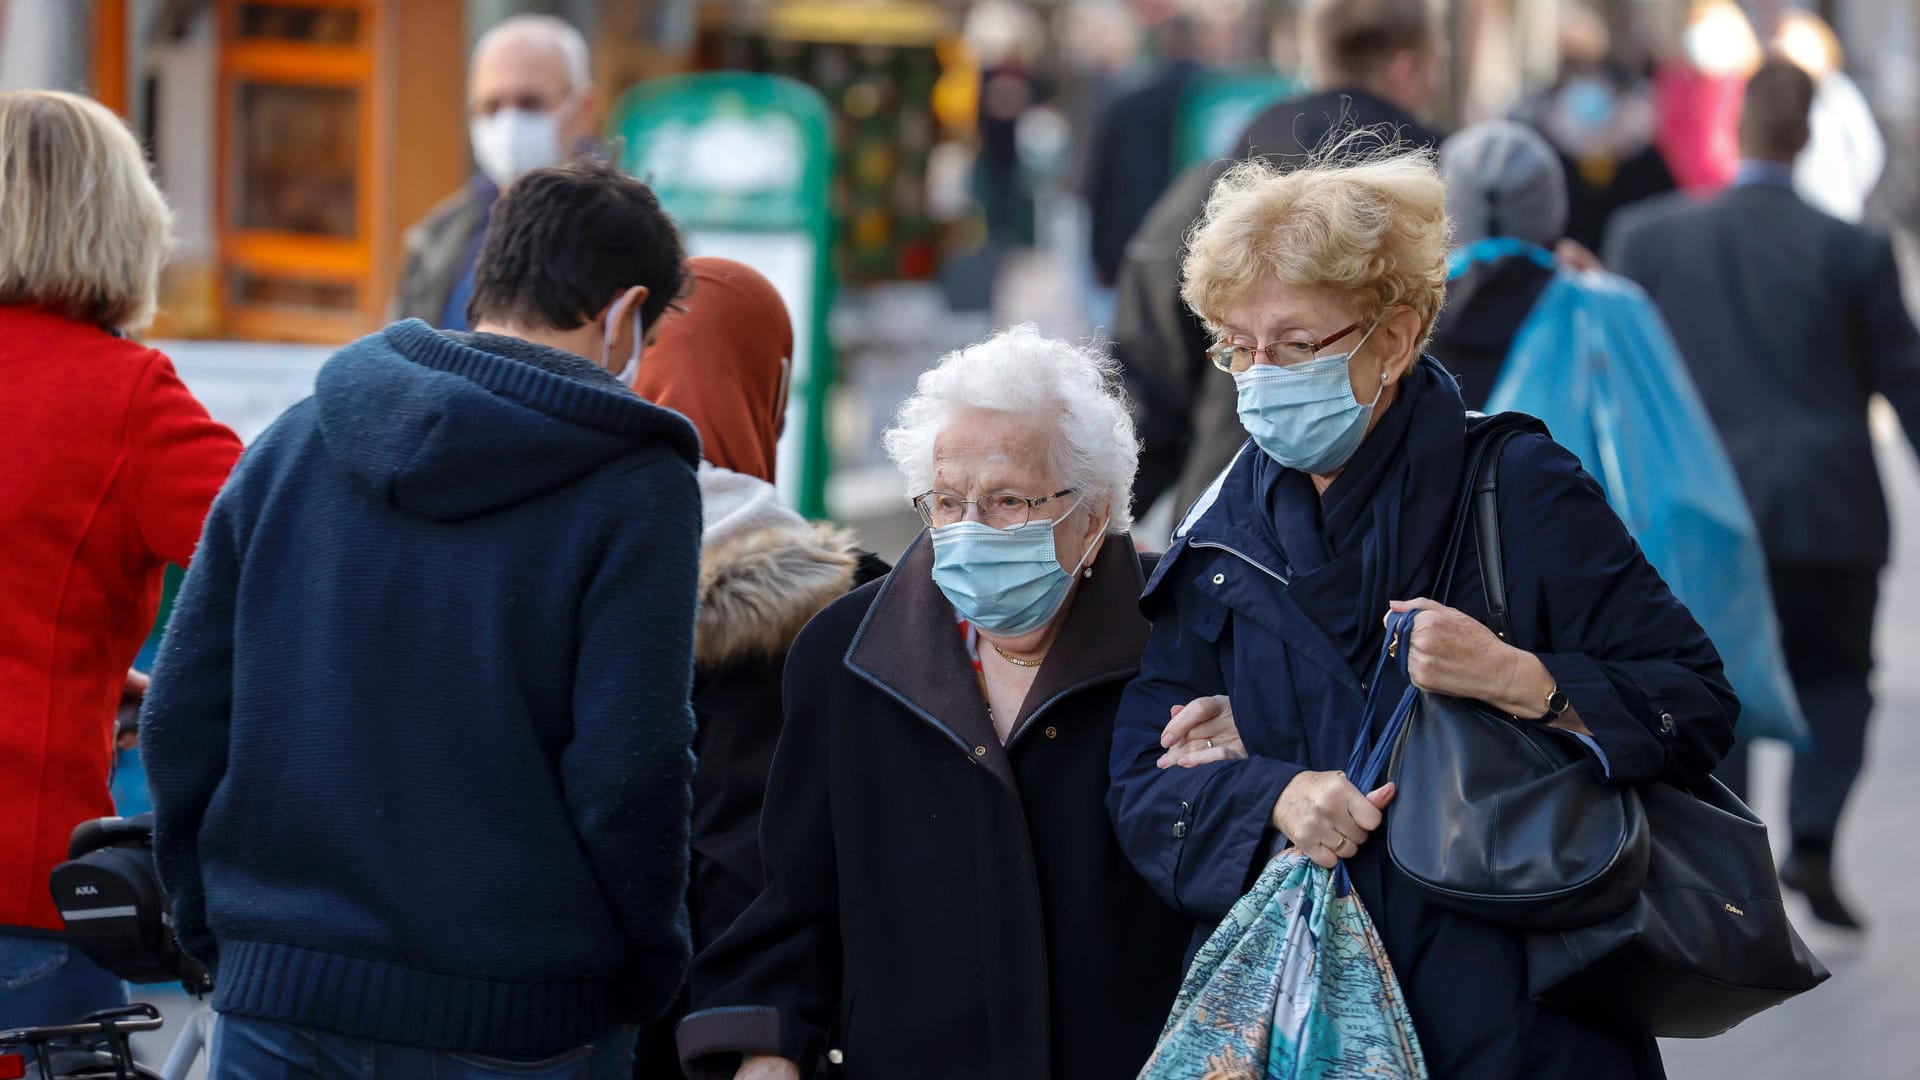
[1376, 227]
[83, 228]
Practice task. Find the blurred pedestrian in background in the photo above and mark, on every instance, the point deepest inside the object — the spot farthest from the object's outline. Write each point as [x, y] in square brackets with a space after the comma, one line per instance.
[1131, 159]
[1507, 198]
[1375, 64]
[944, 895]
[1589, 354]
[1600, 121]
[1845, 152]
[1697, 96]
[1268, 610]
[1791, 321]
[110, 468]
[530, 104]
[419, 739]
[725, 363]
[1008, 40]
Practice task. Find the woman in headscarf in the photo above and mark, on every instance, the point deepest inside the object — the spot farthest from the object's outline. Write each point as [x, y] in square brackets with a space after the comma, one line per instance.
[724, 362]
[723, 359]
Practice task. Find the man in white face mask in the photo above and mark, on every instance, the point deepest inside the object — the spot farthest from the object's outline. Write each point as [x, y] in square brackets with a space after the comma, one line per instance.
[530, 104]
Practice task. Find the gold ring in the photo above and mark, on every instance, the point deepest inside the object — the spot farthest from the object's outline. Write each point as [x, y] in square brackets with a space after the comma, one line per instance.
[1209, 744]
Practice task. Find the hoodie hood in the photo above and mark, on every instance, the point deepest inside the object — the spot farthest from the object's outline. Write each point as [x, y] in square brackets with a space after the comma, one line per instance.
[441, 429]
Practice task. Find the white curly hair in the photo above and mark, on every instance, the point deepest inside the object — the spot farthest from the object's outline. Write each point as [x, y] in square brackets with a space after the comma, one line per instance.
[1095, 448]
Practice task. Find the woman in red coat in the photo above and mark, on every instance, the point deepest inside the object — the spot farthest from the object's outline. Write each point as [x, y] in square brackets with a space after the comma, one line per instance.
[109, 468]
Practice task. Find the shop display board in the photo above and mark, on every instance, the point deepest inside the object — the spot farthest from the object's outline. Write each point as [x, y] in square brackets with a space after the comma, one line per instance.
[743, 163]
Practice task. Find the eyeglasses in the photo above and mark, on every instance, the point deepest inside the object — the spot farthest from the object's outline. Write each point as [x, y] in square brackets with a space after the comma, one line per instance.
[1234, 358]
[1000, 509]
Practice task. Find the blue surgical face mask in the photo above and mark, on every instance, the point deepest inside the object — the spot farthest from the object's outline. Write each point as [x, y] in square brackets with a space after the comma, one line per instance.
[1587, 103]
[1305, 416]
[1003, 581]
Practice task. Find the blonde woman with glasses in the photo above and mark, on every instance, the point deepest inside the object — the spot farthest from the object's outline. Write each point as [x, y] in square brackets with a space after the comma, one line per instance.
[1321, 286]
[109, 468]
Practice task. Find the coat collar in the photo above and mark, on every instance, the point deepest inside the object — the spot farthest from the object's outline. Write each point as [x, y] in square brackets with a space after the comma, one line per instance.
[908, 646]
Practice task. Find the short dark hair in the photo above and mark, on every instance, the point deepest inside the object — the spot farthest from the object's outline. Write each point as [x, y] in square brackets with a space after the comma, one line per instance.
[1773, 117]
[1354, 39]
[564, 241]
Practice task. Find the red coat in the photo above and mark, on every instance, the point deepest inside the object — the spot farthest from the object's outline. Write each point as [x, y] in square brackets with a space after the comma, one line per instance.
[108, 470]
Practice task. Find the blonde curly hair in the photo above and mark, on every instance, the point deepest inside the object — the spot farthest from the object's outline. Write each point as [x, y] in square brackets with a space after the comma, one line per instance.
[1374, 224]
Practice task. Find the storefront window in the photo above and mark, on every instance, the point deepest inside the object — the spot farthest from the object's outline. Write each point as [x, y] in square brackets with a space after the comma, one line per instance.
[265, 291]
[296, 152]
[314, 24]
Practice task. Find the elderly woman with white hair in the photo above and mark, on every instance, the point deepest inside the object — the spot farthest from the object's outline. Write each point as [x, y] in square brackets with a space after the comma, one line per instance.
[945, 897]
[1322, 286]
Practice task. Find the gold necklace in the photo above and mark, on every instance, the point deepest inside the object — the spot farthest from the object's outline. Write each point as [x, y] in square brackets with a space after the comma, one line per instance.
[1015, 660]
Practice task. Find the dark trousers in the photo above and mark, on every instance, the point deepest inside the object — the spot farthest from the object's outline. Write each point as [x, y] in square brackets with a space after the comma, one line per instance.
[1826, 629]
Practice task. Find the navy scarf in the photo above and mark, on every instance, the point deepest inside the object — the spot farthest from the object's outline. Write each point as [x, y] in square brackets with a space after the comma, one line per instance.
[1377, 536]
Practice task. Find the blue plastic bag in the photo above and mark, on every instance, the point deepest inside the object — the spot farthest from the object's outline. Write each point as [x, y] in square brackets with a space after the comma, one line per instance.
[1595, 362]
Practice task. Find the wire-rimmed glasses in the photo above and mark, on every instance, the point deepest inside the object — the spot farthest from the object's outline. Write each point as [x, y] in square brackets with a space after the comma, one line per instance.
[1233, 357]
[999, 509]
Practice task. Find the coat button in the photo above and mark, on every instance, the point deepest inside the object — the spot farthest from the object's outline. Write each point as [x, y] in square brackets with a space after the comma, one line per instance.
[1666, 723]
[835, 1057]
[1053, 732]
[979, 751]
[1219, 579]
[1179, 829]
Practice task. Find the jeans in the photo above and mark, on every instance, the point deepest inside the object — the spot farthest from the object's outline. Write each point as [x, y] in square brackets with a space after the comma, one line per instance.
[248, 1049]
[44, 980]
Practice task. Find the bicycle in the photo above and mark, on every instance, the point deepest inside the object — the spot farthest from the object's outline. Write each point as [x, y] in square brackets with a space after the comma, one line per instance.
[109, 896]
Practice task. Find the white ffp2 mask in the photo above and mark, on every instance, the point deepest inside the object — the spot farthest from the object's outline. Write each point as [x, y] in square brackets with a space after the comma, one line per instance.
[513, 142]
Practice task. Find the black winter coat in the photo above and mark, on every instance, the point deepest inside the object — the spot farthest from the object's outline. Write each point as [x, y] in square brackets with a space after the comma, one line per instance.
[757, 589]
[937, 905]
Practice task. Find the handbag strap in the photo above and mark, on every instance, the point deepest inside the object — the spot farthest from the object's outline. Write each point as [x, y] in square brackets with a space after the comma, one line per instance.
[1477, 507]
[1367, 761]
[1485, 504]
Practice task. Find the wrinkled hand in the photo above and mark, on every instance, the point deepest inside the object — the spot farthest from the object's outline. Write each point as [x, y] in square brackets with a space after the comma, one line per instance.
[126, 721]
[1453, 653]
[1200, 732]
[767, 1067]
[1326, 817]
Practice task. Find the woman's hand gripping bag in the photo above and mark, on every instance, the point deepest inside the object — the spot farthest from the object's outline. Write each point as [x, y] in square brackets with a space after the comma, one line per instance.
[1294, 985]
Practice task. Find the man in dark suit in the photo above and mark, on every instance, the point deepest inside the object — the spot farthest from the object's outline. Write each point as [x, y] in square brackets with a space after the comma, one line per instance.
[1376, 63]
[1791, 321]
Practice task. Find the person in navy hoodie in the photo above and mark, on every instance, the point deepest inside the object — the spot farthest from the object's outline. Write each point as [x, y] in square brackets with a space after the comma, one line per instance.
[419, 734]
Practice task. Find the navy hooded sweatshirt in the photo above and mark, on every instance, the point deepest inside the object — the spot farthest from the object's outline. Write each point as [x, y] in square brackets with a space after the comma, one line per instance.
[419, 733]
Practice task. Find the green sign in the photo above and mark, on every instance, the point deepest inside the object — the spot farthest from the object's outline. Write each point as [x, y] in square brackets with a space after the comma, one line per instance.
[1216, 108]
[743, 163]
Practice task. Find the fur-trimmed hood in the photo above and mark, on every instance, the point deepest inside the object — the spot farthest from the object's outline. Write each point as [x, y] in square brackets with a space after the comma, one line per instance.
[764, 570]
